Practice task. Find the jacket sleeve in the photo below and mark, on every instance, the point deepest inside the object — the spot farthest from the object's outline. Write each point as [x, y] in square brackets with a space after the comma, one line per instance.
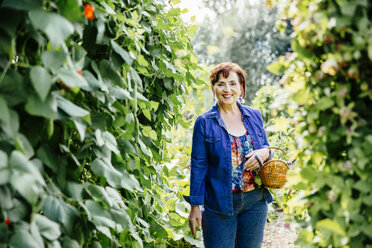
[199, 164]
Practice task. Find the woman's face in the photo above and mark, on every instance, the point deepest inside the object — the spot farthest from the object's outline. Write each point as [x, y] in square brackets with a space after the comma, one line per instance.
[227, 90]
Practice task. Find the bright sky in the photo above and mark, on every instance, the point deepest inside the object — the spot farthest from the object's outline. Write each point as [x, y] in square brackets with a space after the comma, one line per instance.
[195, 9]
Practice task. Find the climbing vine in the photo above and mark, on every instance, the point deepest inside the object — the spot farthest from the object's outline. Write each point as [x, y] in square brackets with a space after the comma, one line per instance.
[87, 90]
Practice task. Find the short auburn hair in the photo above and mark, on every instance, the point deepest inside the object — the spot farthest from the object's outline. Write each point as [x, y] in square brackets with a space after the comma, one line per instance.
[224, 69]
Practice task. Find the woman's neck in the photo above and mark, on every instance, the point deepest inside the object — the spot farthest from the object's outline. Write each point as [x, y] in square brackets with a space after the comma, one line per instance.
[228, 108]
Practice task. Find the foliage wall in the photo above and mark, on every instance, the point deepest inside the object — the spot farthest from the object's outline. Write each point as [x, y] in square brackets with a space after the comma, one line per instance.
[87, 89]
[329, 77]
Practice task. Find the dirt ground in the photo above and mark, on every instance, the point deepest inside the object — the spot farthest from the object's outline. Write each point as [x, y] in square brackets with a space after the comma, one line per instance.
[279, 233]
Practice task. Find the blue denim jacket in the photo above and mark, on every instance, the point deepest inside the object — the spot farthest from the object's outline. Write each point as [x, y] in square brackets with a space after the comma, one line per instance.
[210, 179]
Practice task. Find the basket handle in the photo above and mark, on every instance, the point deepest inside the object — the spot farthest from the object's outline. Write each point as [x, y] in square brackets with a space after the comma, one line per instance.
[276, 148]
[258, 160]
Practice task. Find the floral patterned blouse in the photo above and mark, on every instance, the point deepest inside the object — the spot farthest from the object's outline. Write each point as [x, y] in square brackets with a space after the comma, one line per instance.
[241, 146]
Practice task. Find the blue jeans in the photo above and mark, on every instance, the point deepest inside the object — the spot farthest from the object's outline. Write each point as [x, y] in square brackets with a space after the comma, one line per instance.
[243, 229]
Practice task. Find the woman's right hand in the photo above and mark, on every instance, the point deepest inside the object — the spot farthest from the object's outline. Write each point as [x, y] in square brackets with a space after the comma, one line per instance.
[195, 217]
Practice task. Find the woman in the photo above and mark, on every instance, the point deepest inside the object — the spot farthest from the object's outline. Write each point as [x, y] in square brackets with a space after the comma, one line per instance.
[226, 140]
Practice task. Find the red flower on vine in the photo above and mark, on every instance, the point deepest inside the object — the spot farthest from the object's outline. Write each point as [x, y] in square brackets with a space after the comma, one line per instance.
[7, 221]
[89, 11]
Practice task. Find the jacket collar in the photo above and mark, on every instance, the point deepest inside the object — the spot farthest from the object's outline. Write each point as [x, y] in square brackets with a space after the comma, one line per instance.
[215, 113]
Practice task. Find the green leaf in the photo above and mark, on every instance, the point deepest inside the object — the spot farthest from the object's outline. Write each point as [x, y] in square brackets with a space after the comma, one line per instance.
[124, 54]
[23, 239]
[3, 159]
[41, 80]
[136, 78]
[46, 154]
[301, 50]
[126, 146]
[4, 110]
[363, 186]
[56, 244]
[110, 142]
[158, 230]
[367, 200]
[142, 61]
[98, 215]
[12, 88]
[119, 93]
[121, 217]
[176, 220]
[115, 196]
[109, 9]
[325, 103]
[53, 59]
[330, 225]
[309, 173]
[367, 229]
[276, 68]
[370, 51]
[47, 108]
[130, 182]
[23, 145]
[56, 27]
[80, 128]
[112, 175]
[197, 243]
[70, 9]
[98, 193]
[75, 190]
[71, 78]
[93, 82]
[6, 197]
[70, 243]
[70, 108]
[21, 182]
[19, 211]
[109, 73]
[191, 30]
[24, 174]
[49, 229]
[347, 8]
[22, 4]
[154, 105]
[59, 211]
[181, 209]
[174, 12]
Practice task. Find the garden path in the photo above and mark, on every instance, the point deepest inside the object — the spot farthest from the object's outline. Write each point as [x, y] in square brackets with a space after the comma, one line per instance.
[280, 233]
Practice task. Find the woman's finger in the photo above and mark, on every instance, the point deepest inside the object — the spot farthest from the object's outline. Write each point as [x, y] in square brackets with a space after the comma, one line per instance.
[249, 155]
[192, 226]
[251, 166]
[250, 161]
[199, 222]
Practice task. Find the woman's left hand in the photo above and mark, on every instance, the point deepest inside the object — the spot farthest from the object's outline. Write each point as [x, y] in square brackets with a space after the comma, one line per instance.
[252, 163]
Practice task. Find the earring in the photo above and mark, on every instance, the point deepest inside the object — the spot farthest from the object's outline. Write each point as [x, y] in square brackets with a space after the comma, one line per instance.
[240, 99]
[213, 100]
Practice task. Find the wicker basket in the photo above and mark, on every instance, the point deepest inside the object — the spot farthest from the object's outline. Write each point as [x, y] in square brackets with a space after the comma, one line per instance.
[273, 173]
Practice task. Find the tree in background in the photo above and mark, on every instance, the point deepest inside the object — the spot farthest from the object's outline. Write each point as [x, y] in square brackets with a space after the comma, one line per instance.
[243, 32]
